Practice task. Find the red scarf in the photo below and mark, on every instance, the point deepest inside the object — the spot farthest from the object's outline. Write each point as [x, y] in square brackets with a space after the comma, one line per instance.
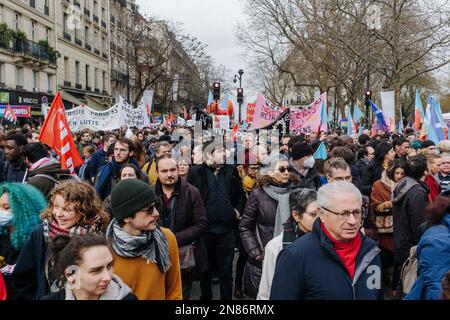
[347, 251]
[55, 229]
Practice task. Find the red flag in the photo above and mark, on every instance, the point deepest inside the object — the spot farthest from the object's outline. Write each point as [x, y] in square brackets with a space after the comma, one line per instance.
[171, 118]
[9, 114]
[56, 134]
[235, 131]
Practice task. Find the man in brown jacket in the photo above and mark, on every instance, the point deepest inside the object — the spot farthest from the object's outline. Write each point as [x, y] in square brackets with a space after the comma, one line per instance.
[183, 212]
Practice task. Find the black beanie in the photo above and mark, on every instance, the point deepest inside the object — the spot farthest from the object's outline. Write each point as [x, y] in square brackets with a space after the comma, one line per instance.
[130, 196]
[427, 143]
[301, 149]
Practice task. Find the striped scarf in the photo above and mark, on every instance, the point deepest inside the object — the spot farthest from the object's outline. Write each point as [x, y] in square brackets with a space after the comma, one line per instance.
[291, 232]
[52, 228]
[151, 245]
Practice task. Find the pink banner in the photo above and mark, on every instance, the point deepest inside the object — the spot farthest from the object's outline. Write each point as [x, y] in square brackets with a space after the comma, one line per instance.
[19, 111]
[307, 120]
[264, 114]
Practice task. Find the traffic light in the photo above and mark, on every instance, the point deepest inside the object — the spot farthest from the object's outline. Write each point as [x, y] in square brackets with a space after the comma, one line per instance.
[240, 95]
[368, 96]
[216, 91]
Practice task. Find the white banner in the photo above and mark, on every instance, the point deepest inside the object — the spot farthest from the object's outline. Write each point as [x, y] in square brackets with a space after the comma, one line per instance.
[181, 121]
[388, 106]
[221, 122]
[122, 113]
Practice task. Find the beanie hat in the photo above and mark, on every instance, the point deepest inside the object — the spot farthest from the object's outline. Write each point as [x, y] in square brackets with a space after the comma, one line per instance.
[427, 143]
[416, 144]
[130, 196]
[301, 149]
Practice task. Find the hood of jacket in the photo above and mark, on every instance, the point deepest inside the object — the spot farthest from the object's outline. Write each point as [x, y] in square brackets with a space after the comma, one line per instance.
[117, 290]
[51, 169]
[404, 186]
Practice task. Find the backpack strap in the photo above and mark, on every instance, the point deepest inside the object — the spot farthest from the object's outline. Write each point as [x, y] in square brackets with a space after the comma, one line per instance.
[42, 175]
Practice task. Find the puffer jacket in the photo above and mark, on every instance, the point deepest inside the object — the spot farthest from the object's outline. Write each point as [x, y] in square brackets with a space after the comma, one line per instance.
[256, 230]
[410, 198]
[433, 254]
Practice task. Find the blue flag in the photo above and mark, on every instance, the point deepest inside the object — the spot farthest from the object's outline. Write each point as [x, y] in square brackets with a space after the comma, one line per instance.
[210, 97]
[350, 124]
[224, 103]
[357, 113]
[321, 152]
[381, 122]
[435, 128]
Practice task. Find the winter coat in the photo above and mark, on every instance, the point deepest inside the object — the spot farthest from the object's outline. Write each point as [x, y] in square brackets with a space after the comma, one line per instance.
[433, 254]
[29, 278]
[310, 269]
[410, 198]
[369, 175]
[433, 186]
[310, 181]
[117, 290]
[13, 171]
[256, 230]
[98, 161]
[197, 177]
[44, 184]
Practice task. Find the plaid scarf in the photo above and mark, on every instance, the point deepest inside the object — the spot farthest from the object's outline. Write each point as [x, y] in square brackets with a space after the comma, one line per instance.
[52, 228]
[291, 232]
[151, 245]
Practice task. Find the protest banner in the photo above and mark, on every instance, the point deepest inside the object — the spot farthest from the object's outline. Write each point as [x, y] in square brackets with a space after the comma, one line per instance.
[221, 122]
[306, 120]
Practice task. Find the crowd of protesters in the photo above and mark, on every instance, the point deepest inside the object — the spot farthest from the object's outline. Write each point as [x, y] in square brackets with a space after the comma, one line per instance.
[148, 214]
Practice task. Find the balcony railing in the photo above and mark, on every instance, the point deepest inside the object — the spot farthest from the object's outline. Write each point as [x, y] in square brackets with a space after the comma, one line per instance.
[103, 24]
[116, 75]
[112, 45]
[97, 90]
[78, 86]
[95, 18]
[105, 92]
[78, 42]
[77, 3]
[67, 36]
[67, 84]
[88, 46]
[96, 51]
[112, 19]
[87, 12]
[30, 48]
[105, 55]
[88, 88]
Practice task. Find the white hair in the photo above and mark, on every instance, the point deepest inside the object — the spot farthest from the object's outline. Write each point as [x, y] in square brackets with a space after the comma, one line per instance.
[326, 192]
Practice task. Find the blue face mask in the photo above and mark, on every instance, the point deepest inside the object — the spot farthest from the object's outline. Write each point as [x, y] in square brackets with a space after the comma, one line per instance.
[5, 218]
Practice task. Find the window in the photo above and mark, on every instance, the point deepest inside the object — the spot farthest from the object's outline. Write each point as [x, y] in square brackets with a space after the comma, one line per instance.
[95, 7]
[65, 16]
[86, 4]
[66, 69]
[96, 78]
[2, 19]
[95, 40]
[104, 45]
[104, 80]
[33, 31]
[16, 22]
[35, 79]
[47, 34]
[103, 14]
[87, 76]
[86, 34]
[77, 71]
[19, 76]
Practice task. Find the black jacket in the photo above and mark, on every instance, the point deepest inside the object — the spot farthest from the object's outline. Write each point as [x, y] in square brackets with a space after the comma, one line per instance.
[189, 216]
[13, 171]
[29, 279]
[369, 175]
[197, 177]
[310, 269]
[410, 198]
[311, 181]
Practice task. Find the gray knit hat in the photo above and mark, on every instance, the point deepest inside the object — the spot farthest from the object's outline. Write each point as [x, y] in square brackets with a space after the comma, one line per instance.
[130, 196]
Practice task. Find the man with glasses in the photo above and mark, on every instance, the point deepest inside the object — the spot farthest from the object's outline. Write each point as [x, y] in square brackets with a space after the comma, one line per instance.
[334, 262]
[145, 255]
[444, 172]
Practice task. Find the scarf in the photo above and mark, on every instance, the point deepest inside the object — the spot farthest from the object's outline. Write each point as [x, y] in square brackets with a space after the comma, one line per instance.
[347, 251]
[52, 228]
[291, 232]
[391, 184]
[151, 245]
[281, 196]
[43, 162]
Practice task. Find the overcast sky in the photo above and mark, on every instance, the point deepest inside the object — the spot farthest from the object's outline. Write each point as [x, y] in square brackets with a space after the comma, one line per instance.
[211, 21]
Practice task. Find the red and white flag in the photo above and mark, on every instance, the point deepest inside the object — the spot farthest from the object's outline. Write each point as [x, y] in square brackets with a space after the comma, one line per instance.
[10, 115]
[56, 134]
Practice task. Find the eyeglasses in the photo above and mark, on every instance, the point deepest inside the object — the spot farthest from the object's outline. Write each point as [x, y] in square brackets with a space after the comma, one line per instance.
[151, 208]
[346, 214]
[284, 169]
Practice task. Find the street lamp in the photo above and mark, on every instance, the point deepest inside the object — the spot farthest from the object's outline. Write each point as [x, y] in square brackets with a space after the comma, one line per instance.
[240, 72]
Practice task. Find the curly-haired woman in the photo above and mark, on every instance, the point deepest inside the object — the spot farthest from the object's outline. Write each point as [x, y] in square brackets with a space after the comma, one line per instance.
[20, 206]
[74, 209]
